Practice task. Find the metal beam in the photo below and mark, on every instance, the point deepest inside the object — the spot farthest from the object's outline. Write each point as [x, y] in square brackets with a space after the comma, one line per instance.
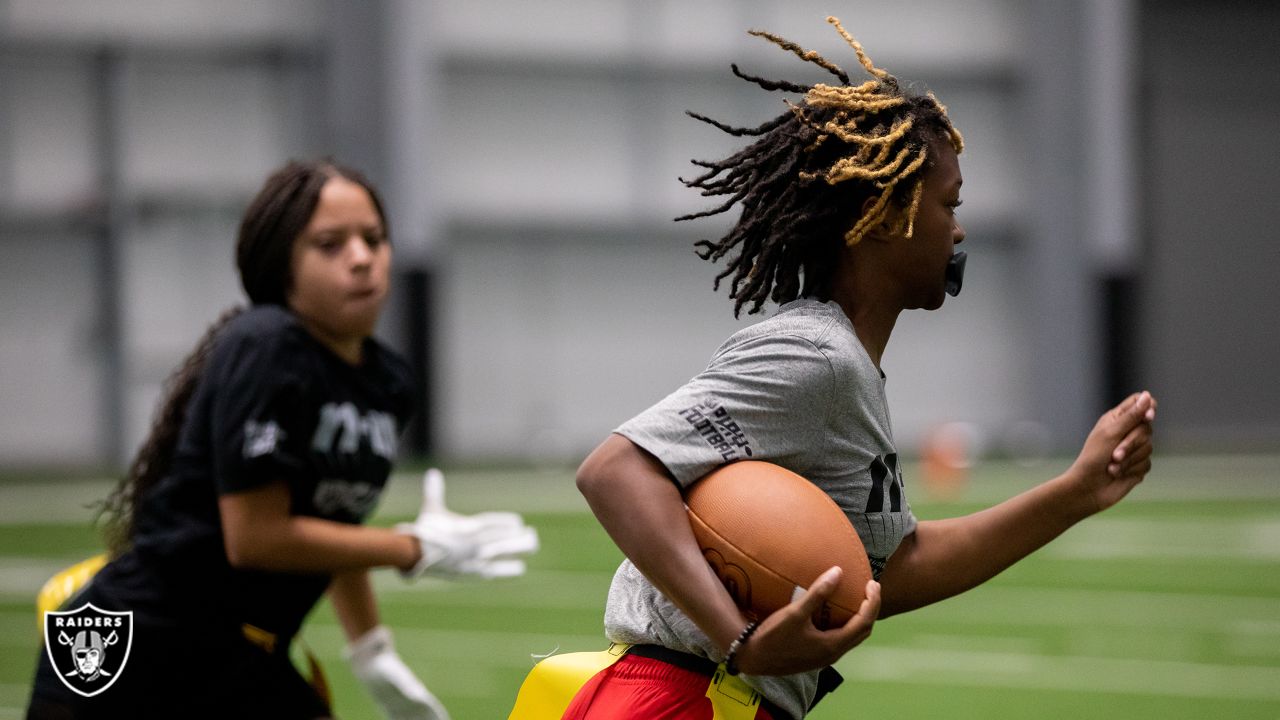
[109, 88]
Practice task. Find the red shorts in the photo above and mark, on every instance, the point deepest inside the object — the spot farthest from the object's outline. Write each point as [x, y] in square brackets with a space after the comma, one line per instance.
[645, 689]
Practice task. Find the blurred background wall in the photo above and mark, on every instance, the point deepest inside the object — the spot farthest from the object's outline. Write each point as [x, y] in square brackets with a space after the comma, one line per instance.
[1117, 171]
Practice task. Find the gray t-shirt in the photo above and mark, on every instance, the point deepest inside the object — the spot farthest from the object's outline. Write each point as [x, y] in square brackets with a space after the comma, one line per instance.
[798, 390]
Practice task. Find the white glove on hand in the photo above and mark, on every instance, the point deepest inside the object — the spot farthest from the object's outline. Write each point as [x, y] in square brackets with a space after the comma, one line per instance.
[453, 544]
[399, 692]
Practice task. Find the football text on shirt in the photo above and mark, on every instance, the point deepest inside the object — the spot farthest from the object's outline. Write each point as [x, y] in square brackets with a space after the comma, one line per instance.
[344, 418]
[720, 430]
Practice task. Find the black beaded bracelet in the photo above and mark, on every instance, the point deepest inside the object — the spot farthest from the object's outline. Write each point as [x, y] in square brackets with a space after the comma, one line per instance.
[736, 645]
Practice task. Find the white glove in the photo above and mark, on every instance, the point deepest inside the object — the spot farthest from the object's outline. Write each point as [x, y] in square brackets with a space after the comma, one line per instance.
[484, 544]
[399, 692]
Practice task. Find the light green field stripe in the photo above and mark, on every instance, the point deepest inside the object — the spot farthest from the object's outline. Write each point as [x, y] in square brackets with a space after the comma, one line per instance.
[557, 589]
[1256, 640]
[1173, 478]
[548, 491]
[14, 693]
[51, 502]
[477, 663]
[1171, 538]
[24, 577]
[551, 491]
[19, 632]
[1071, 673]
[1069, 607]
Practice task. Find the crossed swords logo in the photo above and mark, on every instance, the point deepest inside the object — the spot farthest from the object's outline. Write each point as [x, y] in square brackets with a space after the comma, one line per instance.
[96, 642]
[88, 649]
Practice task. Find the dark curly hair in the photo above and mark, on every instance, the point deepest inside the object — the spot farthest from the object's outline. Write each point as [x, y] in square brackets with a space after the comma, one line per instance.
[802, 185]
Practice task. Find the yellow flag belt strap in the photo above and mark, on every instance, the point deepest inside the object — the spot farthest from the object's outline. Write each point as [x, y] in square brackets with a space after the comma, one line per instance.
[828, 679]
[727, 692]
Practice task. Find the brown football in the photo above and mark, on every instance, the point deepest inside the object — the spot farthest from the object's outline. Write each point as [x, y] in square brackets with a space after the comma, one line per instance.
[769, 533]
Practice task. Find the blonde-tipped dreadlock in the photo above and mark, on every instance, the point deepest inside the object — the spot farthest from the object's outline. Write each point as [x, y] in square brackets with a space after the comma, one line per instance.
[803, 184]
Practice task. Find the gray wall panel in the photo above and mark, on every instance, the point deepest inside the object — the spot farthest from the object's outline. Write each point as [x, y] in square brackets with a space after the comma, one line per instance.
[1211, 344]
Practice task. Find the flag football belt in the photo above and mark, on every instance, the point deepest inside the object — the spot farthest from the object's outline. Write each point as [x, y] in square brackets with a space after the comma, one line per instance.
[269, 641]
[725, 689]
[551, 685]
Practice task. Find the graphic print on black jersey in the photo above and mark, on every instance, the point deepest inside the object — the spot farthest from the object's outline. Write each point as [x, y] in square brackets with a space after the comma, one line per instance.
[336, 496]
[341, 428]
[881, 525]
[261, 438]
[885, 469]
[342, 433]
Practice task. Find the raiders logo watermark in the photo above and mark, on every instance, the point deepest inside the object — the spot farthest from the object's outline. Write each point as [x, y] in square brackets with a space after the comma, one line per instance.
[88, 647]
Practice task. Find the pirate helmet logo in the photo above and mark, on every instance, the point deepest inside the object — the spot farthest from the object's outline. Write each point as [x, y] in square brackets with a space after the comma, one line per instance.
[88, 646]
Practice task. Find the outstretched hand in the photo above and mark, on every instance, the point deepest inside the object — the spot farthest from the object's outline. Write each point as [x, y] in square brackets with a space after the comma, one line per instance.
[1117, 454]
[486, 545]
[788, 642]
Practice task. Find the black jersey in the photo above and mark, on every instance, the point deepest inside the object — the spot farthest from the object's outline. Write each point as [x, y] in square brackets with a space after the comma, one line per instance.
[273, 404]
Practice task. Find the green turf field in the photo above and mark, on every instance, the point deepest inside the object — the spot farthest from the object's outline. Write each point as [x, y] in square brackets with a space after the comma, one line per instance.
[1167, 606]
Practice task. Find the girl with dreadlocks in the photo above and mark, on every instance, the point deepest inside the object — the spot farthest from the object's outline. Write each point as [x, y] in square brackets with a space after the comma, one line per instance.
[847, 219]
[245, 503]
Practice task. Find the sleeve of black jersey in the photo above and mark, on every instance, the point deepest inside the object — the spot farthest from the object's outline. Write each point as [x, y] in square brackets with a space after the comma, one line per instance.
[261, 424]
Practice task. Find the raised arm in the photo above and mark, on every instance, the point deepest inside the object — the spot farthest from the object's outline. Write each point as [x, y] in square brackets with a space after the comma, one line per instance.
[640, 506]
[943, 558]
